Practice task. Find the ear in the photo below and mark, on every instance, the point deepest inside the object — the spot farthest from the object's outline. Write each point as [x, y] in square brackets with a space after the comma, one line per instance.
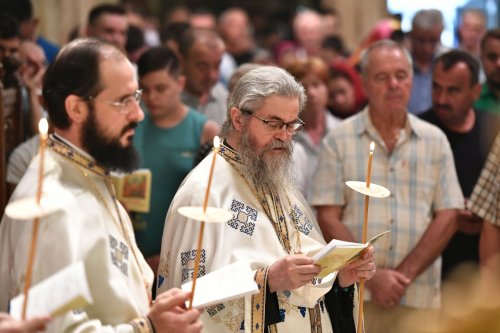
[476, 92]
[236, 118]
[181, 81]
[76, 108]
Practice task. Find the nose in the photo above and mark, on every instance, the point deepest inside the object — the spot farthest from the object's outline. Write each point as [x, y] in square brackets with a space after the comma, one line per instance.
[282, 134]
[442, 98]
[214, 74]
[136, 114]
[393, 81]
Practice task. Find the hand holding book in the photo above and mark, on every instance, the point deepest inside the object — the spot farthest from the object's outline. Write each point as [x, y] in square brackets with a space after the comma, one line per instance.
[336, 254]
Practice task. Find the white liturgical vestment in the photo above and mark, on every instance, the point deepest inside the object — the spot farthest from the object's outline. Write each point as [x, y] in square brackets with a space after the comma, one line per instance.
[255, 235]
[86, 229]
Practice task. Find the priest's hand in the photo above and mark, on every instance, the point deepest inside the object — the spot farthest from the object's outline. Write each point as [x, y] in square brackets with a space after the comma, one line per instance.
[32, 325]
[169, 314]
[364, 267]
[291, 272]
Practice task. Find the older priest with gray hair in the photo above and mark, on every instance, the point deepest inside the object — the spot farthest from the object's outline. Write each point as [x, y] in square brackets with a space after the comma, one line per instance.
[272, 228]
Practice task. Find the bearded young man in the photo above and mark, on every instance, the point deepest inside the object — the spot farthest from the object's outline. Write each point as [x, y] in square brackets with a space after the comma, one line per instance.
[272, 228]
[94, 120]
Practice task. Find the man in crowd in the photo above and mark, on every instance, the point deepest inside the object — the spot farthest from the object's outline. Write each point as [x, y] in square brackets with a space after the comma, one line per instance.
[489, 100]
[471, 30]
[92, 97]
[201, 52]
[414, 161]
[167, 140]
[425, 36]
[455, 87]
[108, 22]
[272, 228]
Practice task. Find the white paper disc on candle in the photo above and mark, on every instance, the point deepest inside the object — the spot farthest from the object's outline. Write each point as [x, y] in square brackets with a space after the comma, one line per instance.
[211, 215]
[374, 190]
[28, 209]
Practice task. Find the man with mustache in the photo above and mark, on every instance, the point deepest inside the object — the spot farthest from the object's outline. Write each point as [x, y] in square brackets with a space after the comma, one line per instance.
[455, 87]
[414, 161]
[272, 229]
[92, 96]
[489, 100]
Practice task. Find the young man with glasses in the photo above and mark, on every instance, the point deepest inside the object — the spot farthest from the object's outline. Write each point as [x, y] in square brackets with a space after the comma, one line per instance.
[272, 228]
[92, 96]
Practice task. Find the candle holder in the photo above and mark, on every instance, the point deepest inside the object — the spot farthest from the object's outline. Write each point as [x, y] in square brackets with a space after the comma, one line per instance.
[368, 190]
[204, 214]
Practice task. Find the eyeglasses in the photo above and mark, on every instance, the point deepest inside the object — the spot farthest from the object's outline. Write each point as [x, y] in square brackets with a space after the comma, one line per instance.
[125, 104]
[276, 125]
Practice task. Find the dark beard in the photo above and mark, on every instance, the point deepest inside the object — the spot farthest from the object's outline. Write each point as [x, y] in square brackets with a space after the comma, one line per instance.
[494, 84]
[271, 172]
[108, 152]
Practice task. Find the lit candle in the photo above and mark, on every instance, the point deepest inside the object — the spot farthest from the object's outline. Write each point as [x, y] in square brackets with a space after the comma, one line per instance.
[369, 170]
[43, 128]
[202, 225]
[363, 236]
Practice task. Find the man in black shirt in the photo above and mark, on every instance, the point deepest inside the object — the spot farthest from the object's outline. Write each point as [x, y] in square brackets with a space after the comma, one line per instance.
[455, 86]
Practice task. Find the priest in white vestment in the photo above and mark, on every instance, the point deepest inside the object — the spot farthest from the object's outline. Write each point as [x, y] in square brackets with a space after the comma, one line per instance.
[91, 94]
[272, 228]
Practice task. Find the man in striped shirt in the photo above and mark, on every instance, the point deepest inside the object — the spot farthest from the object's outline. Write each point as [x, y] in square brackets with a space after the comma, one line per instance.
[414, 160]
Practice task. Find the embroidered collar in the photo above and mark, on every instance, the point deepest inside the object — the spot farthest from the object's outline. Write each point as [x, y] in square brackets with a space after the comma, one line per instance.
[61, 147]
[228, 152]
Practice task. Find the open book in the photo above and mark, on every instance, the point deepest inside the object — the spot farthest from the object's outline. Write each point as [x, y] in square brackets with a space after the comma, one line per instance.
[133, 189]
[229, 282]
[64, 291]
[338, 253]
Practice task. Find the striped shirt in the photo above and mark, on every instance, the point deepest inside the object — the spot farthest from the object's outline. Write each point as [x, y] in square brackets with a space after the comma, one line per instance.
[420, 173]
[485, 199]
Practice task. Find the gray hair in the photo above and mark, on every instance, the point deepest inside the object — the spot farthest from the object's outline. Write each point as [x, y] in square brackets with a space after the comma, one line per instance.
[258, 84]
[384, 44]
[427, 19]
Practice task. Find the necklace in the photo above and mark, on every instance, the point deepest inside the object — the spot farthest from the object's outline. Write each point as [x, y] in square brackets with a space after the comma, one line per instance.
[82, 164]
[281, 229]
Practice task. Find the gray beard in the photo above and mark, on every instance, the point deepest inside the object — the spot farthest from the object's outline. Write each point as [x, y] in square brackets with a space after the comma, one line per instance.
[272, 172]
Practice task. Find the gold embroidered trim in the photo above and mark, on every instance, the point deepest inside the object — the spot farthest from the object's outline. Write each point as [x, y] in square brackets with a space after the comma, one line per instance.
[66, 151]
[259, 302]
[315, 318]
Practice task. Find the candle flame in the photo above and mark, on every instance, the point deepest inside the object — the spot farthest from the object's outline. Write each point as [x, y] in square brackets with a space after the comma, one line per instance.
[372, 147]
[216, 142]
[43, 127]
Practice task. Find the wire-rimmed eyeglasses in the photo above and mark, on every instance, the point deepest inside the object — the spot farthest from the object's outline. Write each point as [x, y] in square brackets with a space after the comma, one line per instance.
[124, 105]
[275, 125]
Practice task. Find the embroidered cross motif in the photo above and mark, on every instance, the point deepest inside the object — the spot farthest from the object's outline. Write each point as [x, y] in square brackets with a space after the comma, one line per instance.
[316, 280]
[303, 223]
[214, 309]
[187, 262]
[119, 254]
[244, 214]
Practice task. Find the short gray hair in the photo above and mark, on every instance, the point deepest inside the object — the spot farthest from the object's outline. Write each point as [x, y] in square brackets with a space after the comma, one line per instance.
[384, 44]
[427, 19]
[258, 84]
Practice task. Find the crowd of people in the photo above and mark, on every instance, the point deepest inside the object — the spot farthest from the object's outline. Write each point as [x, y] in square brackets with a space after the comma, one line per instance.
[296, 117]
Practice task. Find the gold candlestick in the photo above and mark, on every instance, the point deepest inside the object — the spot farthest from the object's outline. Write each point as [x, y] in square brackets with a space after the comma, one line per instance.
[363, 237]
[43, 128]
[202, 225]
